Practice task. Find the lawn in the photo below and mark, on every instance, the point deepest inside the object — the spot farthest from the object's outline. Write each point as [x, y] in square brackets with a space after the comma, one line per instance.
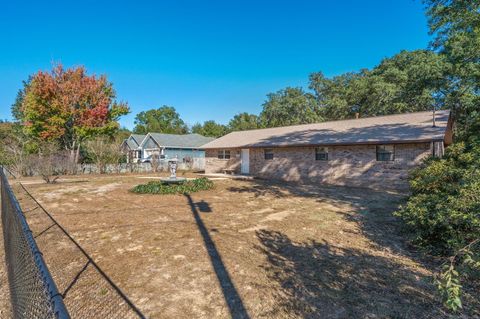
[255, 249]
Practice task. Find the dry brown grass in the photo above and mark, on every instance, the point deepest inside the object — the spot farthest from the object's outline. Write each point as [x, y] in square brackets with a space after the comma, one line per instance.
[256, 248]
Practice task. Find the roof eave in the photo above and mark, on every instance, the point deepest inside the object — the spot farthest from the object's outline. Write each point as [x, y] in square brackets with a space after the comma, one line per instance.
[145, 139]
[415, 141]
[184, 147]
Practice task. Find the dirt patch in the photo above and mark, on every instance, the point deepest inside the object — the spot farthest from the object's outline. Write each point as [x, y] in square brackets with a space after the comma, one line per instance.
[253, 249]
[72, 189]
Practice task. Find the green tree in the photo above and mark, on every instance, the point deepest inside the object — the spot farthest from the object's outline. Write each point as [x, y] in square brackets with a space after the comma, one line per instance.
[15, 148]
[415, 78]
[443, 215]
[122, 134]
[456, 26]
[336, 97]
[210, 129]
[407, 82]
[6, 134]
[443, 210]
[162, 120]
[289, 106]
[17, 105]
[244, 121]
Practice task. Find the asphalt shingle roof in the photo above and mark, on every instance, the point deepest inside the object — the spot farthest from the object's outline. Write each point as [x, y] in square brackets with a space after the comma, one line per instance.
[138, 138]
[131, 144]
[181, 141]
[408, 127]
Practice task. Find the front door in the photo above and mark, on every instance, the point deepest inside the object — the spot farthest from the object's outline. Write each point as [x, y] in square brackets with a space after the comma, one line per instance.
[245, 169]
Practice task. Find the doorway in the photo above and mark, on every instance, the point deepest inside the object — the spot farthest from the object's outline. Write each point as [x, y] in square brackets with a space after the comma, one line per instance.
[245, 167]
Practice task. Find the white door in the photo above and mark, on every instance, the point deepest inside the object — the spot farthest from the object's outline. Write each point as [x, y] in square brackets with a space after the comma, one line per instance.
[245, 169]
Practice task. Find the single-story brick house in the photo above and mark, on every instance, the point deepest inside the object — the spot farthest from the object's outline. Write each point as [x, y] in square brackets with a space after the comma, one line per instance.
[374, 151]
[141, 148]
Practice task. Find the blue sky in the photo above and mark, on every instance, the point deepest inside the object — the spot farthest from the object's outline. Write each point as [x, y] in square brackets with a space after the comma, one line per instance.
[208, 59]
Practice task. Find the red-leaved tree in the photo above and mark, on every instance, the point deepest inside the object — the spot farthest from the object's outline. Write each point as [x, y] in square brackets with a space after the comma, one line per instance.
[69, 106]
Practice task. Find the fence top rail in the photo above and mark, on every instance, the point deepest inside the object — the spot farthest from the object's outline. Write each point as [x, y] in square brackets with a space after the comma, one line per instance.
[6, 169]
[56, 298]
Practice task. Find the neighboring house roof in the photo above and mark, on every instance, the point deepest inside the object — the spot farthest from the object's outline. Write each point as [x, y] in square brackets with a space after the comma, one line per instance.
[131, 143]
[399, 128]
[137, 138]
[178, 141]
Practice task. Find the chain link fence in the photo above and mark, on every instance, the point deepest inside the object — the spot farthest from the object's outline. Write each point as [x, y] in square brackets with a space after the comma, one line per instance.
[82, 286]
[33, 292]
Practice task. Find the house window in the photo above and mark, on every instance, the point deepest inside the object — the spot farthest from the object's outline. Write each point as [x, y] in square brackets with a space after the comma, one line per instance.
[385, 153]
[321, 153]
[268, 153]
[223, 154]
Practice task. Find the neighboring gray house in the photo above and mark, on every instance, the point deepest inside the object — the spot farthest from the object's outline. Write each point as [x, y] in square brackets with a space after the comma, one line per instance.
[141, 148]
[131, 147]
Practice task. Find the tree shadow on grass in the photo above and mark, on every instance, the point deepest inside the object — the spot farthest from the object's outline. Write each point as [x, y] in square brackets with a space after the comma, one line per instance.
[371, 209]
[319, 280]
[259, 189]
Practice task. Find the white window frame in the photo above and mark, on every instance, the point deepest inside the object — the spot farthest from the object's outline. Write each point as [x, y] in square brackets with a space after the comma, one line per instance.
[268, 151]
[384, 155]
[321, 151]
[224, 154]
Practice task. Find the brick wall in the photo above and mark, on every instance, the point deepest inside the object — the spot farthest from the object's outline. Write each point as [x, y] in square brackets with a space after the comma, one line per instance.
[347, 165]
[215, 165]
[354, 165]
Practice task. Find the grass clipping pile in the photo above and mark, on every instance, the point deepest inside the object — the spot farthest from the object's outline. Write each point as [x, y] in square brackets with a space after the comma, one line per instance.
[187, 187]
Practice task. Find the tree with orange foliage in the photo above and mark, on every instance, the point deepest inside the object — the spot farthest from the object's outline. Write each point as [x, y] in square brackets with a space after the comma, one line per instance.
[68, 106]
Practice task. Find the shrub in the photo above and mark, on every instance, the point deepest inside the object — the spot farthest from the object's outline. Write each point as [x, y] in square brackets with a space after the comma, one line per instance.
[102, 151]
[443, 215]
[159, 187]
[443, 212]
[50, 162]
